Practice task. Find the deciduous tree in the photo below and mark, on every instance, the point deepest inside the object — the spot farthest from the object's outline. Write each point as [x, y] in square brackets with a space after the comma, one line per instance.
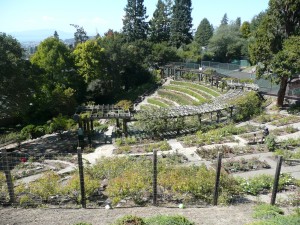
[14, 78]
[281, 22]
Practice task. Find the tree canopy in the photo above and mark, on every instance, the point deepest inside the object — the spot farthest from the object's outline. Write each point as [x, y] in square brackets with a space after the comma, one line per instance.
[204, 33]
[160, 23]
[181, 23]
[281, 21]
[14, 83]
[135, 26]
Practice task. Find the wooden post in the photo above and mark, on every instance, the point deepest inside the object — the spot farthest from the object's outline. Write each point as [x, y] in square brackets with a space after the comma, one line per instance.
[92, 124]
[81, 177]
[154, 177]
[88, 132]
[218, 172]
[9, 182]
[84, 124]
[218, 116]
[199, 118]
[231, 111]
[125, 127]
[276, 180]
[80, 123]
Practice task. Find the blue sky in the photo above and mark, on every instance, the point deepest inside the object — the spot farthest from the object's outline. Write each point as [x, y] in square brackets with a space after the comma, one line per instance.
[100, 15]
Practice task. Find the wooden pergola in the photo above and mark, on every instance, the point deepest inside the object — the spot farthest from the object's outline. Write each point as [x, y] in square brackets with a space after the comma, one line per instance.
[178, 70]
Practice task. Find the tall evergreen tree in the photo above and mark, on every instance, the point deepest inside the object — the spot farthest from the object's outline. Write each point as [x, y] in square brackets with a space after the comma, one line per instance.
[204, 33]
[80, 35]
[238, 22]
[55, 35]
[160, 23]
[224, 20]
[134, 25]
[245, 30]
[181, 23]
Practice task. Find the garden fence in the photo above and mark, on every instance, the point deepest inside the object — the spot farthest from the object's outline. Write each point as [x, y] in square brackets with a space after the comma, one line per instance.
[57, 180]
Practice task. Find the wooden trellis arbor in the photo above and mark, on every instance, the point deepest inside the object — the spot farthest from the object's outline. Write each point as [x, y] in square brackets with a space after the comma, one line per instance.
[178, 70]
[102, 112]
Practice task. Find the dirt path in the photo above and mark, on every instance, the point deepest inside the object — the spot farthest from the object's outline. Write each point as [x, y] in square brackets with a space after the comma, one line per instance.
[231, 215]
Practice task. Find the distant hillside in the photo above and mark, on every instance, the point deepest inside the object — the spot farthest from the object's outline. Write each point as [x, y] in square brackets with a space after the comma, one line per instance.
[39, 35]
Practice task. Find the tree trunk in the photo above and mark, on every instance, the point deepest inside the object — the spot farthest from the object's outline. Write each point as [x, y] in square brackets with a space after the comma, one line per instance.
[281, 92]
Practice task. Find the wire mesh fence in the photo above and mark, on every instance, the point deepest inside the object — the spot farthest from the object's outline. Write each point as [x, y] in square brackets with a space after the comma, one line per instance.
[61, 175]
[234, 71]
[66, 180]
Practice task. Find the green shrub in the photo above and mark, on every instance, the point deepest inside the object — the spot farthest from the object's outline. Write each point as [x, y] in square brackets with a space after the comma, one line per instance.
[134, 183]
[46, 186]
[125, 104]
[61, 123]
[168, 220]
[118, 142]
[272, 215]
[197, 182]
[264, 183]
[247, 106]
[256, 185]
[73, 186]
[26, 201]
[266, 211]
[130, 220]
[270, 142]
[124, 149]
[28, 131]
[13, 136]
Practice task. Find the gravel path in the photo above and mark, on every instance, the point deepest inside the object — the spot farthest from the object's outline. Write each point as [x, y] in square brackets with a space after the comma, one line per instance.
[231, 215]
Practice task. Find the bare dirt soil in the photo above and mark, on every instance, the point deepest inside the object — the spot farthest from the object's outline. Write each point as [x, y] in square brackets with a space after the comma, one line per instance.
[213, 215]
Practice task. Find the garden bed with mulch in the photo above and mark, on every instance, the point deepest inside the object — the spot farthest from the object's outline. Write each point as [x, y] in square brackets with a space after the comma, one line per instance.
[228, 152]
[244, 165]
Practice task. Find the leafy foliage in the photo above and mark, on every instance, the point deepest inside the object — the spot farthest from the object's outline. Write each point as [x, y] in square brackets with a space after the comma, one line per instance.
[181, 23]
[247, 106]
[168, 220]
[269, 50]
[204, 33]
[159, 25]
[14, 83]
[226, 44]
[134, 24]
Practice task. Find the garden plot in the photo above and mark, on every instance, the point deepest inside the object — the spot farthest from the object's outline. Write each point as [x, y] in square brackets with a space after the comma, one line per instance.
[211, 154]
[144, 148]
[244, 165]
[256, 137]
[30, 168]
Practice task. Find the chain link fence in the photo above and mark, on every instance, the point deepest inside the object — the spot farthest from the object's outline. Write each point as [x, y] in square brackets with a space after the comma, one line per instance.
[234, 71]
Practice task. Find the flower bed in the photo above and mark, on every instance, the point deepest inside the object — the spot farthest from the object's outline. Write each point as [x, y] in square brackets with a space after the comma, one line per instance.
[161, 146]
[286, 120]
[243, 165]
[228, 152]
